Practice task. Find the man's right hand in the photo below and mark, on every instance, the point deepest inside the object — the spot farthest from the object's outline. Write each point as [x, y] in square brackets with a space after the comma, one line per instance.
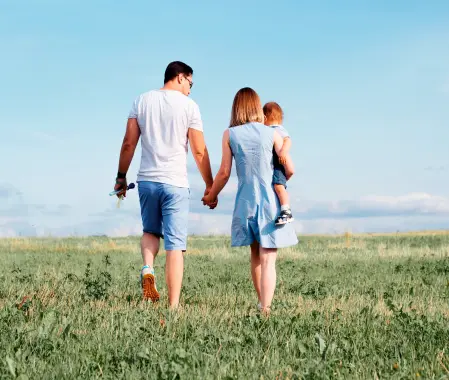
[121, 184]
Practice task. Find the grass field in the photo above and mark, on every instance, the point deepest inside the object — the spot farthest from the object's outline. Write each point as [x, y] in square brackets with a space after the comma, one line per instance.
[363, 307]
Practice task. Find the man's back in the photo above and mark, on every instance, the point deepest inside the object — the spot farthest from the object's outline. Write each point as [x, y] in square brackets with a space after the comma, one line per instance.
[165, 121]
[164, 118]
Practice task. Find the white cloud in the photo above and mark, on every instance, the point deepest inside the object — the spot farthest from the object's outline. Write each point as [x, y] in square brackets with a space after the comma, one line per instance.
[125, 229]
[414, 211]
[7, 232]
[368, 213]
[416, 204]
[213, 223]
[370, 224]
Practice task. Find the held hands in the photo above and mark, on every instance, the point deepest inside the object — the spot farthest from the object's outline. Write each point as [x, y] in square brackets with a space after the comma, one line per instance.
[208, 201]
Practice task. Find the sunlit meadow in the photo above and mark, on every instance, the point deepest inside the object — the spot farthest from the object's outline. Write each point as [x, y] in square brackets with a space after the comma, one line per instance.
[363, 306]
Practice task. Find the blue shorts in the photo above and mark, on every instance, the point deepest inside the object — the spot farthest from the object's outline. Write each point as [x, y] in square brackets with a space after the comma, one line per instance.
[165, 212]
[279, 177]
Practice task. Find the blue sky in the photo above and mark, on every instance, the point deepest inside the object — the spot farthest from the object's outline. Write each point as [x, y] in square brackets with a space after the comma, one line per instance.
[364, 86]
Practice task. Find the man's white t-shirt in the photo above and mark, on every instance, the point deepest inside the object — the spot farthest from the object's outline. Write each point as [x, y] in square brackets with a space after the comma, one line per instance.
[164, 118]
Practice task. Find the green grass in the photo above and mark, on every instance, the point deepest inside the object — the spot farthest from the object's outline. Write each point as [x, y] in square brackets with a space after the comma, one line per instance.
[365, 307]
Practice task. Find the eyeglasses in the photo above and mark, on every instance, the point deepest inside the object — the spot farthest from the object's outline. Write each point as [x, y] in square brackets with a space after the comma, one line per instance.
[190, 82]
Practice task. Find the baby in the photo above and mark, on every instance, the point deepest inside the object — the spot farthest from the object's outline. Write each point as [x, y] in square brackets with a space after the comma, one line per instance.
[274, 117]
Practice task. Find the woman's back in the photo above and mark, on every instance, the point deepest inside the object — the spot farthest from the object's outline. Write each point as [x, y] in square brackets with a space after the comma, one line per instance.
[252, 148]
[256, 204]
[250, 144]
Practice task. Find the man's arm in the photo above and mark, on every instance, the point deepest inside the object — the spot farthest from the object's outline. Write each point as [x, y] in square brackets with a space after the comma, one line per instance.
[223, 174]
[129, 145]
[201, 156]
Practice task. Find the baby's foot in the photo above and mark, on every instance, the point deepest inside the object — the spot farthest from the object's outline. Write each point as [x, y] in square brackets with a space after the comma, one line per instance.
[284, 218]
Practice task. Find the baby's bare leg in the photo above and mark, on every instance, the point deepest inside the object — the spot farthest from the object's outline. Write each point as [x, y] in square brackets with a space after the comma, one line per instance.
[282, 194]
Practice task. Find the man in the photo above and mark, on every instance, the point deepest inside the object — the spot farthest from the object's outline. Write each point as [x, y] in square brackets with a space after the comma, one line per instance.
[165, 120]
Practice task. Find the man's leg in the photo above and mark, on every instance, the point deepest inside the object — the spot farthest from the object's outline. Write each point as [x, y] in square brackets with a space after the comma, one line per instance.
[174, 270]
[255, 268]
[175, 216]
[268, 277]
[152, 227]
[149, 245]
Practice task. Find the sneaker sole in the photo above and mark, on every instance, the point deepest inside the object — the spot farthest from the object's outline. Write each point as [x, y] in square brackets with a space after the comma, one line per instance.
[149, 288]
[283, 223]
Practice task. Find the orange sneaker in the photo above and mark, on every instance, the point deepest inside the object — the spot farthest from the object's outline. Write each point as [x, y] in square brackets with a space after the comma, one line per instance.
[148, 283]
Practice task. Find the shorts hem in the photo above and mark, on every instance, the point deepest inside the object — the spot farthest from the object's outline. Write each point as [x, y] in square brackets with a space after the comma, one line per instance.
[176, 248]
[266, 246]
[279, 246]
[158, 234]
[245, 243]
[282, 184]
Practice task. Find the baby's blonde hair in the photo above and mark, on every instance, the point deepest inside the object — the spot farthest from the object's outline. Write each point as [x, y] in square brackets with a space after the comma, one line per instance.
[273, 113]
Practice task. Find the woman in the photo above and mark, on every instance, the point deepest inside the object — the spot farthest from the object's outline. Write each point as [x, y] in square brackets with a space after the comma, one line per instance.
[251, 143]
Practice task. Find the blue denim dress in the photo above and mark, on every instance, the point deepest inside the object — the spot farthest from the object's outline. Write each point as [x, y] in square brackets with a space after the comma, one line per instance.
[256, 204]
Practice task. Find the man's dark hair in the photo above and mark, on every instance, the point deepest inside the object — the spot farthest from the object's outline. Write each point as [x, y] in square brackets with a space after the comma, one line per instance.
[175, 68]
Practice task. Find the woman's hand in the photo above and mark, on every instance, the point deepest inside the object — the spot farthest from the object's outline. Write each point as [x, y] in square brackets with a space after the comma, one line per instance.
[211, 205]
[278, 147]
[282, 157]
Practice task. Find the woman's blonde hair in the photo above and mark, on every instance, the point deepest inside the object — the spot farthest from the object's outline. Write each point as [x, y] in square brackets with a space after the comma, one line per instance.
[246, 108]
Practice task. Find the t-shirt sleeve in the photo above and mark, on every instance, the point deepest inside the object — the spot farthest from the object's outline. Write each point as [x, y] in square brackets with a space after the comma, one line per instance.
[282, 131]
[134, 110]
[195, 121]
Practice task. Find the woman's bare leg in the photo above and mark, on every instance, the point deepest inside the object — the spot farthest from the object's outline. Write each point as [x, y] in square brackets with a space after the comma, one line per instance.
[267, 277]
[255, 268]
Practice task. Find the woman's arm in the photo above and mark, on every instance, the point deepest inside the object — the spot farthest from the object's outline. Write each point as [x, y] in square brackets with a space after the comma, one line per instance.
[283, 154]
[287, 145]
[223, 174]
[278, 143]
